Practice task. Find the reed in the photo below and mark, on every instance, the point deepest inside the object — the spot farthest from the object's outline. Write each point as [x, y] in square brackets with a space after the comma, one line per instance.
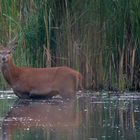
[98, 38]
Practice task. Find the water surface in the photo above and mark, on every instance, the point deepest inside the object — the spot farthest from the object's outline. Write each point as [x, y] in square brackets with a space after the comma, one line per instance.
[91, 116]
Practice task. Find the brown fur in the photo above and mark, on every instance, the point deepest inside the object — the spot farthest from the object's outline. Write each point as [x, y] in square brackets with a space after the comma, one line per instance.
[31, 82]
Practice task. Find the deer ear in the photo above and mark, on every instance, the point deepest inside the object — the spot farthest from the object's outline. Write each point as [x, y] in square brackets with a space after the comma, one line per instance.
[12, 45]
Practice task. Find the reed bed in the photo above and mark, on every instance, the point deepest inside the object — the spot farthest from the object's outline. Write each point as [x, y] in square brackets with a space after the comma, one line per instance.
[98, 38]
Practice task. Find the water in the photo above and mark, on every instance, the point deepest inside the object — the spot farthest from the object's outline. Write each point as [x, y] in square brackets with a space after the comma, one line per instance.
[92, 116]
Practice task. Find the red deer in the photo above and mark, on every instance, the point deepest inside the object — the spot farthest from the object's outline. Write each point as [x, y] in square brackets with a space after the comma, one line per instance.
[28, 82]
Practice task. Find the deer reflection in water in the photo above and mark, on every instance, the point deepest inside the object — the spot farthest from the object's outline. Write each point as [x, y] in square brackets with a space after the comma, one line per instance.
[48, 115]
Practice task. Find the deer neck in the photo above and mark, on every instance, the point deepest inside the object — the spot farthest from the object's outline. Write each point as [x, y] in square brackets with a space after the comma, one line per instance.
[10, 72]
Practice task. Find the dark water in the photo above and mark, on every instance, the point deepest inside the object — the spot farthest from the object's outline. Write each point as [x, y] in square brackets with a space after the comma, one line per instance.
[88, 117]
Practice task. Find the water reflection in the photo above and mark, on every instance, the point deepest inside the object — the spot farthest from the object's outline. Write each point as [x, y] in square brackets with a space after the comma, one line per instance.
[40, 119]
[84, 118]
[113, 119]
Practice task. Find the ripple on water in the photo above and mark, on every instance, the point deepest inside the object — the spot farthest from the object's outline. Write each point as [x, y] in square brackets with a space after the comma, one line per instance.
[8, 94]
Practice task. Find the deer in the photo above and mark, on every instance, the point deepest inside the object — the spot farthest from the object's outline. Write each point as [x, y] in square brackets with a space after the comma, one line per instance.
[29, 82]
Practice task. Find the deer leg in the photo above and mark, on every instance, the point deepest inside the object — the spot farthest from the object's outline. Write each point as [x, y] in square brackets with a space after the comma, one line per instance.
[42, 94]
[23, 95]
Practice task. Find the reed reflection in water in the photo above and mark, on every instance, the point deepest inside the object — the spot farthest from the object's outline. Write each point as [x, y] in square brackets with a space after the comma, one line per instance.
[84, 118]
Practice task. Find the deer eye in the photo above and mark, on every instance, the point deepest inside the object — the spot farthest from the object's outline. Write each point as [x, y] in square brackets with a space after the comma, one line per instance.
[9, 52]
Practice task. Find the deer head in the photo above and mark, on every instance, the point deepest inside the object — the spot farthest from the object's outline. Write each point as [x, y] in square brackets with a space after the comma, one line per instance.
[6, 52]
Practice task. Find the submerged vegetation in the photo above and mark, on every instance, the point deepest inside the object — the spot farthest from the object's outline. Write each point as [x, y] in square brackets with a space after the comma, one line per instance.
[101, 39]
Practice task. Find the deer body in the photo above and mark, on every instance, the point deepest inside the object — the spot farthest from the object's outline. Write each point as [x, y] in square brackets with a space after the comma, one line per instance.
[33, 82]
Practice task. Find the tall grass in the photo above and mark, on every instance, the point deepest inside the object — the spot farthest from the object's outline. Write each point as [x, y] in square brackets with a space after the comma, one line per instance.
[98, 38]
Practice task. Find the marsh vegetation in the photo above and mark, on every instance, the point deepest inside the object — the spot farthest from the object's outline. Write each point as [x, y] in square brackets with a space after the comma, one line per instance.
[101, 39]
